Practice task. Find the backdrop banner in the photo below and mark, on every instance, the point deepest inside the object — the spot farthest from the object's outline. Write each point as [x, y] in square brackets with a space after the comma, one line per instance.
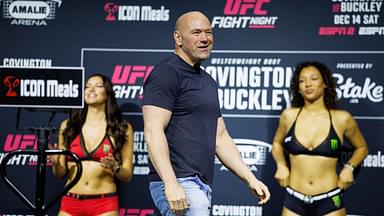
[257, 45]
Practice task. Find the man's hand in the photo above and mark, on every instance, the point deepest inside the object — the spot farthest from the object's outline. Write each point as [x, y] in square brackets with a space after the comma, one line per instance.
[260, 190]
[176, 199]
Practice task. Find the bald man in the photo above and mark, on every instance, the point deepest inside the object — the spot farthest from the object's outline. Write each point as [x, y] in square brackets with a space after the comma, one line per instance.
[183, 126]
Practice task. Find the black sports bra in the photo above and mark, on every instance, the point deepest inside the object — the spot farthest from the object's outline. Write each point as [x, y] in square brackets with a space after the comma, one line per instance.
[330, 147]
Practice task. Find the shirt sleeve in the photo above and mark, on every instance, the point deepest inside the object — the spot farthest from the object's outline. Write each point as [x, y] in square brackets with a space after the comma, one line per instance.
[161, 87]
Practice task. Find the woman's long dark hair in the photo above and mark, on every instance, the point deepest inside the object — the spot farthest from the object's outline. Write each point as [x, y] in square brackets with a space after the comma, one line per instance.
[116, 126]
[330, 96]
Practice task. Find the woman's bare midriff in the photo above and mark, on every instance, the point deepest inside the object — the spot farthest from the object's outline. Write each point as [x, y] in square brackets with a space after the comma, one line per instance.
[313, 175]
[94, 180]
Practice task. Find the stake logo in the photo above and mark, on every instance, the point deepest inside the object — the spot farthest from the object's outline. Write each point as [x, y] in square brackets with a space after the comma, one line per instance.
[11, 83]
[245, 14]
[30, 13]
[128, 80]
[352, 91]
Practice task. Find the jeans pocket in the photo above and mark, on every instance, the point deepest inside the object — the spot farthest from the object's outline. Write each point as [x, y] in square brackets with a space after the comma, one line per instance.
[159, 199]
[157, 192]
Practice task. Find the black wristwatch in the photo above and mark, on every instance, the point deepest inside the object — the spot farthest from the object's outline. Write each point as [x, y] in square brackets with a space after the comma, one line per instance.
[116, 168]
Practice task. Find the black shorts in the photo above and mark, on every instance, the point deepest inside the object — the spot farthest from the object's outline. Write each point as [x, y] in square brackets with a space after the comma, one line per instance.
[316, 208]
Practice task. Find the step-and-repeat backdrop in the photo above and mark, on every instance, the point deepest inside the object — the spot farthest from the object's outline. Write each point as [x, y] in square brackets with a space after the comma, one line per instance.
[257, 45]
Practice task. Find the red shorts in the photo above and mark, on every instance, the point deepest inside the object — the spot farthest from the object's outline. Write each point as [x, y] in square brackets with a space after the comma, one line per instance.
[74, 204]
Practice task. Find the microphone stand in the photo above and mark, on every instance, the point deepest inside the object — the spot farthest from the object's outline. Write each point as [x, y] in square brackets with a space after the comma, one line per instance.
[42, 151]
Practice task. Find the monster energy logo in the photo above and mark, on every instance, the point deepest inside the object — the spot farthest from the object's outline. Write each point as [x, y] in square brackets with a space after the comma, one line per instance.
[106, 148]
[337, 201]
[334, 144]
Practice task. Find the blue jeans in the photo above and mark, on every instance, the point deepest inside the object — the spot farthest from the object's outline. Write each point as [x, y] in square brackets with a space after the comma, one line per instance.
[198, 196]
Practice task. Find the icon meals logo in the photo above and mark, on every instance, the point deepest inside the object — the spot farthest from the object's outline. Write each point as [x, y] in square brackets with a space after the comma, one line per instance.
[111, 8]
[11, 83]
[40, 88]
[253, 152]
[142, 13]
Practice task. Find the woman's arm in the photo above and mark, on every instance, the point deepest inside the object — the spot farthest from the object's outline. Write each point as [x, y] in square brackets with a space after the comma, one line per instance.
[282, 171]
[124, 170]
[353, 134]
[59, 162]
[356, 139]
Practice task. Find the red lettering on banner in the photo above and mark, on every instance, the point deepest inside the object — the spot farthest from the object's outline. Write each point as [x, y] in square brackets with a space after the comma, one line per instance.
[336, 8]
[119, 76]
[130, 73]
[135, 212]
[240, 7]
[336, 30]
[20, 141]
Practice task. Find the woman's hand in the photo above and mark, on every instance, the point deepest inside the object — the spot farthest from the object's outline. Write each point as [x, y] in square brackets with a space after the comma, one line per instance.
[108, 162]
[53, 158]
[345, 178]
[282, 175]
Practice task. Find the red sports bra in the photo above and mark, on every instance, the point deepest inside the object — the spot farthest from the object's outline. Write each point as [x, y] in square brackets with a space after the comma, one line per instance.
[78, 147]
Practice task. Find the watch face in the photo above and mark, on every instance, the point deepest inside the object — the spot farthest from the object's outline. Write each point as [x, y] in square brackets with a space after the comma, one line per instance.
[117, 168]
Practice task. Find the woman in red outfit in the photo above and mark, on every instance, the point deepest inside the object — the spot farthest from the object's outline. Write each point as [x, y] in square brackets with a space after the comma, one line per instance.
[104, 143]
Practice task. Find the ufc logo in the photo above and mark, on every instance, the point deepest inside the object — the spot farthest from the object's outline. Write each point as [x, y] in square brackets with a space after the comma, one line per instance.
[241, 7]
[135, 212]
[20, 141]
[129, 74]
